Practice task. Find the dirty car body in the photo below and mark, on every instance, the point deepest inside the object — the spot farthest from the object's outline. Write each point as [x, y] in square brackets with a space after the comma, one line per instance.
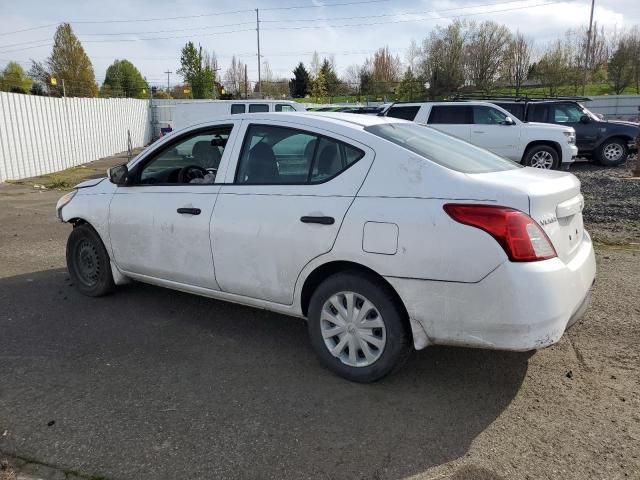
[385, 234]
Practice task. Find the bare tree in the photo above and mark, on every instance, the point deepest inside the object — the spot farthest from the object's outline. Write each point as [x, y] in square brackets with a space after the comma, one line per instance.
[351, 77]
[442, 58]
[553, 68]
[517, 61]
[412, 55]
[315, 65]
[387, 70]
[234, 77]
[484, 52]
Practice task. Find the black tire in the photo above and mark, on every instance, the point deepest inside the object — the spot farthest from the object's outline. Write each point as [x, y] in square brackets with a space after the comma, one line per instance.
[612, 152]
[398, 344]
[544, 150]
[88, 262]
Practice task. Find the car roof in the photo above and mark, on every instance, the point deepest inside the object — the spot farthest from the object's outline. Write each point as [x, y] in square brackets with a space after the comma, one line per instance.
[337, 118]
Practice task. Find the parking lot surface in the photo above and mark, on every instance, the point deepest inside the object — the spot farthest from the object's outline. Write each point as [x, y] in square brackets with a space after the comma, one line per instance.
[150, 383]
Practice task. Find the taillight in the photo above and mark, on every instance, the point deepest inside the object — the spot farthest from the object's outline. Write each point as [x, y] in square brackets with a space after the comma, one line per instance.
[522, 239]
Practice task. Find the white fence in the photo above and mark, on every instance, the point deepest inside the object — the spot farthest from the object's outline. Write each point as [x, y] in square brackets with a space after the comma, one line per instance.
[623, 107]
[40, 135]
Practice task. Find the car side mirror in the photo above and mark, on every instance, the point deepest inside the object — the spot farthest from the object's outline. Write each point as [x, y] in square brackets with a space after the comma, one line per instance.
[118, 174]
[585, 119]
[508, 121]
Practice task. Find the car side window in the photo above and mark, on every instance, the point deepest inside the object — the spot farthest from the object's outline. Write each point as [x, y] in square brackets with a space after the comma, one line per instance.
[194, 158]
[539, 113]
[258, 107]
[281, 155]
[404, 112]
[283, 107]
[566, 113]
[237, 108]
[451, 114]
[484, 115]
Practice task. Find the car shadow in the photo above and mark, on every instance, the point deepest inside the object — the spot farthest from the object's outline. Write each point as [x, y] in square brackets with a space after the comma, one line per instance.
[149, 381]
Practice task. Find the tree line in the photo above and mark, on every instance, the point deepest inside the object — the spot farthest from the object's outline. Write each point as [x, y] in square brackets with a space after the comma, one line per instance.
[483, 57]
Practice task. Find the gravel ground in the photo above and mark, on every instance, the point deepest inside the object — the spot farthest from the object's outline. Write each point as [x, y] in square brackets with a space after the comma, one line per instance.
[612, 202]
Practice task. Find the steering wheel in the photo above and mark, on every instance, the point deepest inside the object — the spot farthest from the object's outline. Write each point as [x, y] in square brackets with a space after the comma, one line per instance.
[190, 172]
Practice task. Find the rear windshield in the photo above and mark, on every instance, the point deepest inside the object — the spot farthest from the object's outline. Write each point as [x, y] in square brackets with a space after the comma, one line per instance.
[441, 148]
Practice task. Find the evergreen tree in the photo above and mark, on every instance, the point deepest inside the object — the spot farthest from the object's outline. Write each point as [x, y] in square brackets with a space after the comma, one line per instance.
[330, 77]
[299, 85]
[68, 62]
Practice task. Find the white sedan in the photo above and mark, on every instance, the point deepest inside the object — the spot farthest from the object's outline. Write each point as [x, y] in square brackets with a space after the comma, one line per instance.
[385, 235]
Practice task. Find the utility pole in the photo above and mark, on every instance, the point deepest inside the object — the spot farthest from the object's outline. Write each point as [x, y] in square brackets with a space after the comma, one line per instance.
[586, 54]
[64, 90]
[246, 83]
[259, 57]
[168, 72]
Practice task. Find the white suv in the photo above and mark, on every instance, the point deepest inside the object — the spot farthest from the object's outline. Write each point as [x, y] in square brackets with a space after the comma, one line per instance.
[538, 145]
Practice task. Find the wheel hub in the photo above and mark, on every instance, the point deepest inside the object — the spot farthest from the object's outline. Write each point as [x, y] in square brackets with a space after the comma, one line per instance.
[88, 263]
[353, 329]
[542, 160]
[613, 152]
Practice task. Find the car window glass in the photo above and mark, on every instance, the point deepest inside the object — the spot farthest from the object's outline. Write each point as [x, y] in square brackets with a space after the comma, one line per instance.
[192, 159]
[279, 155]
[539, 113]
[566, 113]
[331, 158]
[450, 114]
[440, 148]
[483, 115]
[283, 107]
[258, 107]
[237, 108]
[515, 109]
[404, 112]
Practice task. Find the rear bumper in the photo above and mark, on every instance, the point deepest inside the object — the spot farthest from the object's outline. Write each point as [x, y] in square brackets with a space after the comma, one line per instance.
[518, 306]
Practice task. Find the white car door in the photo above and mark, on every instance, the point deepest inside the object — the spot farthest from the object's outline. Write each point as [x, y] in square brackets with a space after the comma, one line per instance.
[491, 130]
[159, 221]
[282, 205]
[452, 119]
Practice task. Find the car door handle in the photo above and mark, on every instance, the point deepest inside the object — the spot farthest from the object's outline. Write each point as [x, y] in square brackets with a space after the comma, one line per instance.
[320, 220]
[479, 131]
[189, 211]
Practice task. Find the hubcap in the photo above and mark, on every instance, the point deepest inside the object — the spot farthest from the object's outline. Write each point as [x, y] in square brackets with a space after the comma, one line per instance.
[613, 152]
[88, 263]
[353, 329]
[542, 159]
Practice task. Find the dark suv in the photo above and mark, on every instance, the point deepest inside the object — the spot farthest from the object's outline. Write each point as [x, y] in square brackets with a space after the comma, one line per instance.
[609, 142]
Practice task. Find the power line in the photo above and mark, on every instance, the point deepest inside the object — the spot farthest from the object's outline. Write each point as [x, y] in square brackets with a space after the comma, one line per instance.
[293, 7]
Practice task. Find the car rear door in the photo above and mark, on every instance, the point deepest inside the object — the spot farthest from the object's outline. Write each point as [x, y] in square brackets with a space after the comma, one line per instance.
[455, 120]
[282, 205]
[490, 130]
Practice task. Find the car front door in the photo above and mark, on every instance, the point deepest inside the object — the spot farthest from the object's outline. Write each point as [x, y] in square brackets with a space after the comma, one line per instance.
[452, 119]
[492, 131]
[282, 205]
[570, 114]
[159, 221]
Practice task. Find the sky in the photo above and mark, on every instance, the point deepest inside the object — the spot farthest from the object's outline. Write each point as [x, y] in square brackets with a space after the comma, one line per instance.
[290, 30]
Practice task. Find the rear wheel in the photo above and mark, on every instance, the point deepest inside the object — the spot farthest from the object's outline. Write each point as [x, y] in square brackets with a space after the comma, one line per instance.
[356, 327]
[88, 262]
[542, 156]
[612, 153]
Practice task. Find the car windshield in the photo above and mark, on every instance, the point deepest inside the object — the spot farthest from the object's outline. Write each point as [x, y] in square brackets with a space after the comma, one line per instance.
[440, 148]
[589, 112]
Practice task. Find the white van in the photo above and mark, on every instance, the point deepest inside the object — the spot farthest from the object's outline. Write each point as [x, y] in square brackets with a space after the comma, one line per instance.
[192, 113]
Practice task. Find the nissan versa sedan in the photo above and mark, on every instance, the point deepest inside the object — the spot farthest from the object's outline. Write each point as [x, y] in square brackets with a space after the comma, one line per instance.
[385, 235]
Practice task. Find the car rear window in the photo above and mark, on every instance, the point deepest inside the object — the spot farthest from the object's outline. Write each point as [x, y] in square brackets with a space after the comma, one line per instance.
[258, 107]
[515, 109]
[440, 148]
[451, 114]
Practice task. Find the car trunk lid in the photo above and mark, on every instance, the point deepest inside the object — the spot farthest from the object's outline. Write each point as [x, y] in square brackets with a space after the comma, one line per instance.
[551, 198]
